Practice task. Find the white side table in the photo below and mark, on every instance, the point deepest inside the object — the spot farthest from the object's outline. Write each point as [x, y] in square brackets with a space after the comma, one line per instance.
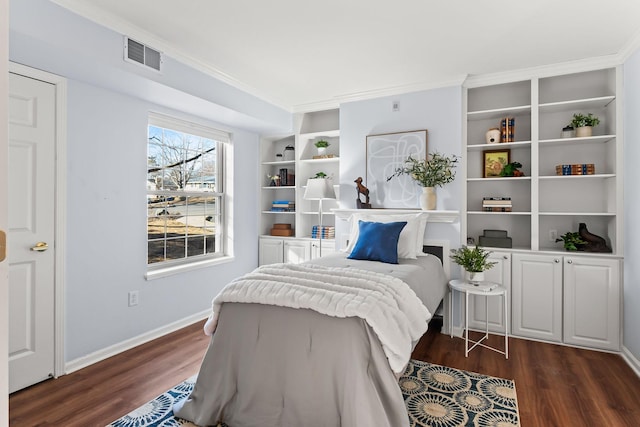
[482, 289]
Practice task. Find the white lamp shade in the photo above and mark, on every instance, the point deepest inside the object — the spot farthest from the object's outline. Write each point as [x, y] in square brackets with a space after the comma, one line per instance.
[318, 189]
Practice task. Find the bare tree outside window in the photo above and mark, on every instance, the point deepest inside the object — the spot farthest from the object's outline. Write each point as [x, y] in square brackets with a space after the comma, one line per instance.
[183, 196]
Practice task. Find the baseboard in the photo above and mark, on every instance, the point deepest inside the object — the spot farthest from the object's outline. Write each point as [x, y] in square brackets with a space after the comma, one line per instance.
[105, 353]
[631, 360]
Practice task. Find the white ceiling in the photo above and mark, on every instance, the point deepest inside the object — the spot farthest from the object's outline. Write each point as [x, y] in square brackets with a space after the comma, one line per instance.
[299, 53]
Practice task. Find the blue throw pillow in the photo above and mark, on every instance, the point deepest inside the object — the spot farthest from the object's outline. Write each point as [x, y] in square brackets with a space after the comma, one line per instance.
[378, 241]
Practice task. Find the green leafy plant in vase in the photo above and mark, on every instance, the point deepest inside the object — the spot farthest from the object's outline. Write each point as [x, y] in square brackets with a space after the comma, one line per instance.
[321, 146]
[584, 123]
[434, 171]
[474, 261]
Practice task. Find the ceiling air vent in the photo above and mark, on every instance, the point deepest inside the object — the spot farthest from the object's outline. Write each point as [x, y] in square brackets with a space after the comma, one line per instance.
[141, 54]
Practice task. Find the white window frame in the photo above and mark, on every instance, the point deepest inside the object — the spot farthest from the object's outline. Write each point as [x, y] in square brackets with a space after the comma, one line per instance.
[224, 193]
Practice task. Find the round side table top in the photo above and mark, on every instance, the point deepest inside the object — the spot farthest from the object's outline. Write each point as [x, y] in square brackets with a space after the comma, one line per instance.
[477, 288]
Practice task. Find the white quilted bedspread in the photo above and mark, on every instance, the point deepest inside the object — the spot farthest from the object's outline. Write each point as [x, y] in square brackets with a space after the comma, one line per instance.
[386, 303]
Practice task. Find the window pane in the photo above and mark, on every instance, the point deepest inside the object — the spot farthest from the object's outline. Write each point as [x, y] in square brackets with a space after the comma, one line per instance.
[182, 225]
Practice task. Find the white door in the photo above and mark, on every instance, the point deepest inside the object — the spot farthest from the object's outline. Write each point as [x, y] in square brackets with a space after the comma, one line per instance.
[297, 251]
[270, 251]
[536, 296]
[499, 273]
[32, 117]
[592, 302]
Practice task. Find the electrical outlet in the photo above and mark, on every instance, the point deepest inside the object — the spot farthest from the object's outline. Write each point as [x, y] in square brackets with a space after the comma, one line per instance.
[133, 298]
[553, 235]
[395, 105]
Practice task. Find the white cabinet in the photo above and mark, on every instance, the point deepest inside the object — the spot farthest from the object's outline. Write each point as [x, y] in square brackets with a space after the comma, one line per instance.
[287, 249]
[499, 273]
[592, 302]
[296, 251]
[328, 247]
[567, 298]
[271, 251]
[536, 296]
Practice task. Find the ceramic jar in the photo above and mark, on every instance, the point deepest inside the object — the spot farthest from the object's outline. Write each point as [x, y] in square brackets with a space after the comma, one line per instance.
[493, 136]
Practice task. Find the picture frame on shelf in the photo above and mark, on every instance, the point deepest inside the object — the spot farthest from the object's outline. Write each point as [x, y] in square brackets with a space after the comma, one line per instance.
[384, 154]
[493, 161]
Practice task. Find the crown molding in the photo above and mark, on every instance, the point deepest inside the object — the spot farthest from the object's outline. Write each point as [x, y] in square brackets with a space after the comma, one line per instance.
[543, 71]
[399, 90]
[632, 46]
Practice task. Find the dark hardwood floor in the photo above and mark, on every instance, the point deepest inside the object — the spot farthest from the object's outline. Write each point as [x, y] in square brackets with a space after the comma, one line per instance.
[556, 385]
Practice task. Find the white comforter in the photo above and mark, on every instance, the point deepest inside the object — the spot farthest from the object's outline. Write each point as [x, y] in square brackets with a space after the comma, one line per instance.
[386, 303]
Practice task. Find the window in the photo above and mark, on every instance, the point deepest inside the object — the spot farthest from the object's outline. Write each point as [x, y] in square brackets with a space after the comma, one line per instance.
[185, 192]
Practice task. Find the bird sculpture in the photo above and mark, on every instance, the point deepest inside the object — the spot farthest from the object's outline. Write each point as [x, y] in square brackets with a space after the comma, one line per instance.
[594, 243]
[361, 189]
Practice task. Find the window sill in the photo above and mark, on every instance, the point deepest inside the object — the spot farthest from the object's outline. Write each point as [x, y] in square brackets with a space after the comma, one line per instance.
[177, 269]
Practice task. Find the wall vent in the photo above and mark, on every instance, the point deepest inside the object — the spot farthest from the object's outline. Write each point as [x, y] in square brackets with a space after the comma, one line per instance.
[140, 54]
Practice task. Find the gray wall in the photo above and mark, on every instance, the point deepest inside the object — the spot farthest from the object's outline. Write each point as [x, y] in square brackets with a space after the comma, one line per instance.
[437, 110]
[108, 105]
[632, 205]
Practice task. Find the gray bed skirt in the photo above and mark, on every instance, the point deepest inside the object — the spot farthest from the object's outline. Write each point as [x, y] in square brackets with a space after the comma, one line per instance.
[324, 371]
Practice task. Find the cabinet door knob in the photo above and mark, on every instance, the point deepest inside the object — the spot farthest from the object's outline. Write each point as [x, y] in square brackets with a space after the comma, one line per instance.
[504, 257]
[556, 260]
[569, 262]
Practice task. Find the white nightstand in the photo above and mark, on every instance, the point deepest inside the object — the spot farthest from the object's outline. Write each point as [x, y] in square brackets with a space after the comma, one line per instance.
[485, 289]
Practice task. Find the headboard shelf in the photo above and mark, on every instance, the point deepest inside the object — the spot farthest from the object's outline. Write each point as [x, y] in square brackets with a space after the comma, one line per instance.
[434, 216]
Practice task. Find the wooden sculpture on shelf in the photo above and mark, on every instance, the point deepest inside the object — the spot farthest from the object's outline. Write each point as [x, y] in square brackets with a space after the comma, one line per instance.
[361, 189]
[594, 243]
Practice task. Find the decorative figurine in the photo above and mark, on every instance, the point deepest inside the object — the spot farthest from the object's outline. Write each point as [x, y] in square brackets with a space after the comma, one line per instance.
[361, 189]
[594, 243]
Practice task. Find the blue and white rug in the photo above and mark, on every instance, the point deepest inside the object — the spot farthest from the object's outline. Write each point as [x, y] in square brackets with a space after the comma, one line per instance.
[436, 396]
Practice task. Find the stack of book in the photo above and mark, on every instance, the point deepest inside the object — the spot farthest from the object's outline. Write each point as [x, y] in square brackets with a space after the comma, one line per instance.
[577, 169]
[508, 129]
[496, 204]
[283, 206]
[327, 231]
[287, 177]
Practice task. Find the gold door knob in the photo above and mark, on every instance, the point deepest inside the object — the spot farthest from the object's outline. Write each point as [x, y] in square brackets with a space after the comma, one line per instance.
[40, 247]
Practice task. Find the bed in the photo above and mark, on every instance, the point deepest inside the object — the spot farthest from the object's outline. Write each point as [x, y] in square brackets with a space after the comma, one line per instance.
[316, 344]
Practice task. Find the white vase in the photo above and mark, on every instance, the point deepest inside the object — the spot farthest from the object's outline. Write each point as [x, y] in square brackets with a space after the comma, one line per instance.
[428, 199]
[321, 150]
[474, 276]
[493, 136]
[584, 131]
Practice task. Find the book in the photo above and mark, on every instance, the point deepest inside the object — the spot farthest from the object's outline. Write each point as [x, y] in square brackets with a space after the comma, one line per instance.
[496, 209]
[495, 202]
[496, 198]
[511, 129]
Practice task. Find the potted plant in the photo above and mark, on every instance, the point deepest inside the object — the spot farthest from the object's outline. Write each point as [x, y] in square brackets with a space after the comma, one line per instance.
[434, 171]
[572, 241]
[321, 146]
[474, 261]
[512, 169]
[584, 123]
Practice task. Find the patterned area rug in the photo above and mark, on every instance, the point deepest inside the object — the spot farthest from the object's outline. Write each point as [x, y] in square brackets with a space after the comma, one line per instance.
[436, 396]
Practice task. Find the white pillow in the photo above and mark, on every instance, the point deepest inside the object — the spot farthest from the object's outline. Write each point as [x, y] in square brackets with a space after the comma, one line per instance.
[411, 237]
[422, 225]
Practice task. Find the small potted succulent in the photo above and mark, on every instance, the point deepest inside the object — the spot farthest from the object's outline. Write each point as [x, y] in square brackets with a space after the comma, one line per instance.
[474, 261]
[321, 146]
[584, 123]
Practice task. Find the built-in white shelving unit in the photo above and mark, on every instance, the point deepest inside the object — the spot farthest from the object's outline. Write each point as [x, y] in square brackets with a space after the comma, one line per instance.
[547, 283]
[310, 127]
